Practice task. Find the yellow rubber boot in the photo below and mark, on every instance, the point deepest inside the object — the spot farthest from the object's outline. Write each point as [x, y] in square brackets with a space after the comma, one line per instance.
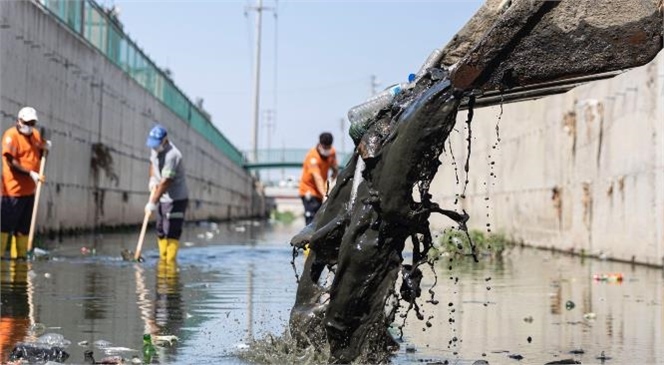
[4, 242]
[172, 249]
[167, 277]
[19, 249]
[163, 243]
[18, 272]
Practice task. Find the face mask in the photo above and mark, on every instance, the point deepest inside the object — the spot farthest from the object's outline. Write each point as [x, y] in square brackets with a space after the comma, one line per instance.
[24, 129]
[325, 152]
[160, 148]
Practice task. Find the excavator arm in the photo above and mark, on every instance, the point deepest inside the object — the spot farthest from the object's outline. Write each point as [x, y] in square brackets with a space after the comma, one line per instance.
[514, 50]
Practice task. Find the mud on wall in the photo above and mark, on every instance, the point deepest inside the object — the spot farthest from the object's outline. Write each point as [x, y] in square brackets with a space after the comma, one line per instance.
[98, 119]
[581, 171]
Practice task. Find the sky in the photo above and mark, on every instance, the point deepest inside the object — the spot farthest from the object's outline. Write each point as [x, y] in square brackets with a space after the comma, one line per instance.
[317, 57]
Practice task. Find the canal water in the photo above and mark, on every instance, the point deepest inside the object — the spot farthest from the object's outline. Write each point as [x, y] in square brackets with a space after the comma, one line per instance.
[234, 283]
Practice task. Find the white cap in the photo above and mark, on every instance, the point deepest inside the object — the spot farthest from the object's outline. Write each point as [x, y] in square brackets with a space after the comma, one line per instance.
[27, 114]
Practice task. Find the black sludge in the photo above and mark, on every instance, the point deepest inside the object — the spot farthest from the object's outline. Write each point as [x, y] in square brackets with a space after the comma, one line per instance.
[362, 242]
[38, 354]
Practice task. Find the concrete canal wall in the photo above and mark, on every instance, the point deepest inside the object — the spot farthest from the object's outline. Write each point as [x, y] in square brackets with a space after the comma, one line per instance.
[98, 117]
[581, 171]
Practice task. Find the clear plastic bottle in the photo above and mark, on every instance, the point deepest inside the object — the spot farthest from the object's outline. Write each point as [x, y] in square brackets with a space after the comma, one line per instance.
[432, 61]
[359, 115]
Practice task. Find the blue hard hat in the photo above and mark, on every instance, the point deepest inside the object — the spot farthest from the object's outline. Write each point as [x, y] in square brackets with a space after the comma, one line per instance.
[156, 136]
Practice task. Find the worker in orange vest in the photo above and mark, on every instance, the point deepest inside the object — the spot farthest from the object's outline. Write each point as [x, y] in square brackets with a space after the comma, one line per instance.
[315, 169]
[22, 149]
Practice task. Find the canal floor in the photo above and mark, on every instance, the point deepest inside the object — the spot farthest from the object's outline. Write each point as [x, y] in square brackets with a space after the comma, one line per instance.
[234, 283]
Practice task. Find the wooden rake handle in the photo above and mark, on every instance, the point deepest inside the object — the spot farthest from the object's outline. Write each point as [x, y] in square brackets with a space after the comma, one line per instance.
[33, 221]
[144, 227]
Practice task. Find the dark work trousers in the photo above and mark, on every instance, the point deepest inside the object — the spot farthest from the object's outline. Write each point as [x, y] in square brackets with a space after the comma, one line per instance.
[311, 206]
[16, 214]
[170, 219]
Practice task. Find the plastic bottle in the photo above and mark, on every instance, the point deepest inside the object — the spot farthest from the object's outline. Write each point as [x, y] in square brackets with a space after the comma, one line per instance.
[148, 349]
[432, 61]
[359, 115]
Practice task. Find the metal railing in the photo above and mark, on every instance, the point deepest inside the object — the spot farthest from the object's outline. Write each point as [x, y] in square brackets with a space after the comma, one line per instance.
[103, 31]
[284, 158]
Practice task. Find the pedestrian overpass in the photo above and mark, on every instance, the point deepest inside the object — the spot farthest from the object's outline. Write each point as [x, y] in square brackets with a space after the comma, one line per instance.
[283, 158]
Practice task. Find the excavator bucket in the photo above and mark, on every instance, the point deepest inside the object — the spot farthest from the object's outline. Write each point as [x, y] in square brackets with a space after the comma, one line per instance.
[513, 50]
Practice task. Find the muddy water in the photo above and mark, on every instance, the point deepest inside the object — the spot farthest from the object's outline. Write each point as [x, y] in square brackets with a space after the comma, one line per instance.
[234, 282]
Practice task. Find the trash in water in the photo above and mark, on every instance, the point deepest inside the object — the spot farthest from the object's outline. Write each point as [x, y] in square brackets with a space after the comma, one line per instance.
[603, 357]
[148, 349]
[83, 343]
[53, 339]
[563, 362]
[39, 253]
[189, 244]
[206, 235]
[163, 340]
[528, 319]
[589, 316]
[47, 275]
[36, 353]
[578, 352]
[88, 357]
[569, 305]
[102, 344]
[609, 278]
[515, 356]
[410, 349]
[37, 329]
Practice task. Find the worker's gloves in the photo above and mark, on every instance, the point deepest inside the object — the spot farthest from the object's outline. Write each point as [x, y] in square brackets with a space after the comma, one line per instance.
[47, 145]
[150, 207]
[36, 177]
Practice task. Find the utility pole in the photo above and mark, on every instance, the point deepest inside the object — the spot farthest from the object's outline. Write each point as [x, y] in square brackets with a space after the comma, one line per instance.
[257, 75]
[268, 115]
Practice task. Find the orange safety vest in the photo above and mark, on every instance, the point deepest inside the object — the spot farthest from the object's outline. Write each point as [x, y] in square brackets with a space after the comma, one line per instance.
[26, 150]
[314, 163]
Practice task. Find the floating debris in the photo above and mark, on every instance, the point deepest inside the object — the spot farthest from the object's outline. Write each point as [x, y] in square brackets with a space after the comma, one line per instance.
[37, 329]
[569, 305]
[589, 316]
[163, 340]
[603, 357]
[35, 353]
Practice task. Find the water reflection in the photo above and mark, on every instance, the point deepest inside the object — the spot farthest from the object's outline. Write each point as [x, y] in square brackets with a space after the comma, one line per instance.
[16, 296]
[235, 284]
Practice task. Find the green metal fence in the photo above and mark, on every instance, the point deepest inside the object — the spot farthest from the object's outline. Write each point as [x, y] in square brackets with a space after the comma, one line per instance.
[286, 158]
[105, 33]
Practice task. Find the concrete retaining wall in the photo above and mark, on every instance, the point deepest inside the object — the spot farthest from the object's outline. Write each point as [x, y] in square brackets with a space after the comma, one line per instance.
[98, 119]
[581, 171]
